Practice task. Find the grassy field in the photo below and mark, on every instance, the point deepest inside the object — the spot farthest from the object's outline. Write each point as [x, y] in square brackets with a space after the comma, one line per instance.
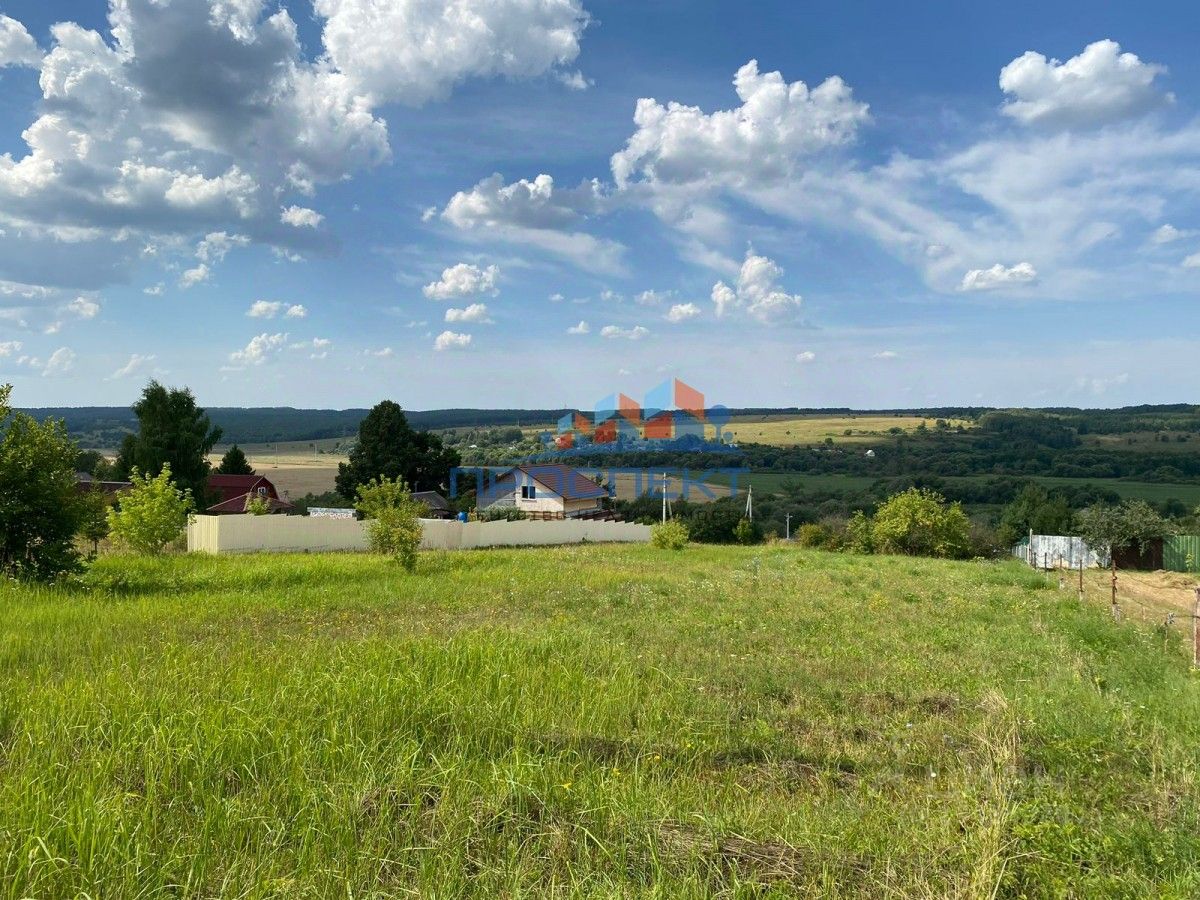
[786, 431]
[591, 722]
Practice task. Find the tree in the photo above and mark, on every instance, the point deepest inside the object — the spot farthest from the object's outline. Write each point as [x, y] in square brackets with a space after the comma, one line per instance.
[257, 506]
[234, 463]
[174, 432]
[1034, 508]
[394, 525]
[151, 514]
[93, 517]
[918, 522]
[39, 506]
[388, 448]
[1134, 523]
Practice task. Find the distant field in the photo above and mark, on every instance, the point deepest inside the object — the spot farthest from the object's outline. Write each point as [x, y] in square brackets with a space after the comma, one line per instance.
[592, 721]
[295, 468]
[783, 431]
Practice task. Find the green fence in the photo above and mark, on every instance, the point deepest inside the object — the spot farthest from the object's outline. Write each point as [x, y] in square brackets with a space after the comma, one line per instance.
[1181, 553]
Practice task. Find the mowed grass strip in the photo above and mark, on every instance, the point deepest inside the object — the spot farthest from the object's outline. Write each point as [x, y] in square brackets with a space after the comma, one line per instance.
[590, 721]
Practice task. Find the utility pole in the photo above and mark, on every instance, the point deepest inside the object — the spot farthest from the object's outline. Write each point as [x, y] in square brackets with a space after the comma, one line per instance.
[664, 503]
[787, 527]
[750, 503]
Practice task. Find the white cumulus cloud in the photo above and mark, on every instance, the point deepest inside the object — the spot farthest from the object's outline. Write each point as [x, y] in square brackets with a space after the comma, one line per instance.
[413, 51]
[757, 291]
[582, 328]
[463, 280]
[261, 348]
[451, 340]
[805, 356]
[476, 312]
[777, 124]
[8, 348]
[84, 308]
[301, 217]
[61, 362]
[1098, 86]
[614, 332]
[17, 46]
[264, 309]
[681, 312]
[538, 213]
[999, 276]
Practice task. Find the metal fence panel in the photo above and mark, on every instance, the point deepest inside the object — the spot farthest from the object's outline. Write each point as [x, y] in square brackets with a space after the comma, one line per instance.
[1057, 551]
[1181, 553]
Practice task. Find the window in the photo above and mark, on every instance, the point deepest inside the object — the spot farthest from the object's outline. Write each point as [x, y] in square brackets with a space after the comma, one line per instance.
[528, 492]
[262, 492]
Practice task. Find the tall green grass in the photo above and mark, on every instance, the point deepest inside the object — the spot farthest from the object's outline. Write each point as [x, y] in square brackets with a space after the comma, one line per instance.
[589, 721]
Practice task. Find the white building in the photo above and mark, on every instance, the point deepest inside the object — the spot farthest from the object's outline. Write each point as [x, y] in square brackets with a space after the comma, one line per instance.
[545, 489]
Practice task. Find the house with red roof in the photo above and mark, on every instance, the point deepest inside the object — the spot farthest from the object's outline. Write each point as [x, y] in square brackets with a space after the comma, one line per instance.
[235, 491]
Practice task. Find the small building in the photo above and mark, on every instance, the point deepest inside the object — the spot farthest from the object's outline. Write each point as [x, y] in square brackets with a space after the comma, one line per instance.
[85, 482]
[553, 490]
[235, 491]
[439, 506]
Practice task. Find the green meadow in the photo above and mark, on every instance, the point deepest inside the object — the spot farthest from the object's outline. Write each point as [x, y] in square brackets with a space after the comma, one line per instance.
[589, 722]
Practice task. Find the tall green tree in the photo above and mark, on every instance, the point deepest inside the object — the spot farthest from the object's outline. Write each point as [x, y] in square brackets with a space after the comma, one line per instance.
[39, 506]
[172, 431]
[234, 462]
[389, 448]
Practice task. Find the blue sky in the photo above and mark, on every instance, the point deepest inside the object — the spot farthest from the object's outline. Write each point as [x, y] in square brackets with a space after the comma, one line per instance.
[540, 202]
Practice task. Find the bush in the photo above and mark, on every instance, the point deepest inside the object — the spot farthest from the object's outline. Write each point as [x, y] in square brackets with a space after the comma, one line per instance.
[150, 515]
[918, 522]
[671, 535]
[860, 536]
[393, 526]
[810, 534]
[748, 531]
[258, 506]
[39, 507]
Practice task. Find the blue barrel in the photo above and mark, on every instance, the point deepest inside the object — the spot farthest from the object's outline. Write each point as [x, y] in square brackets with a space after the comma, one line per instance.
[462, 517]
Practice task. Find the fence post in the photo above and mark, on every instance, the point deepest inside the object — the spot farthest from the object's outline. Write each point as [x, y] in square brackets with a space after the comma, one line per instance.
[1196, 631]
[1116, 610]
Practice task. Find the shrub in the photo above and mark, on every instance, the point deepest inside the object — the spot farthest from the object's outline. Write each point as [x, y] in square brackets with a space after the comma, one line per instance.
[39, 507]
[810, 534]
[258, 506]
[860, 537]
[151, 514]
[670, 535]
[918, 522]
[393, 526]
[747, 531]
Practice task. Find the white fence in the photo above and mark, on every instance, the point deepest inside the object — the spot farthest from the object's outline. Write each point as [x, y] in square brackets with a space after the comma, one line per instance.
[1056, 551]
[302, 534]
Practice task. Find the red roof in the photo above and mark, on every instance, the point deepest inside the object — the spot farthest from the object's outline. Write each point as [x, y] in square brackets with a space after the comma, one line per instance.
[238, 504]
[231, 486]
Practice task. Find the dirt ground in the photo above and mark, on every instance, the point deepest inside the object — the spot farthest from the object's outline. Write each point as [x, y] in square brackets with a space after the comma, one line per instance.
[1146, 597]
